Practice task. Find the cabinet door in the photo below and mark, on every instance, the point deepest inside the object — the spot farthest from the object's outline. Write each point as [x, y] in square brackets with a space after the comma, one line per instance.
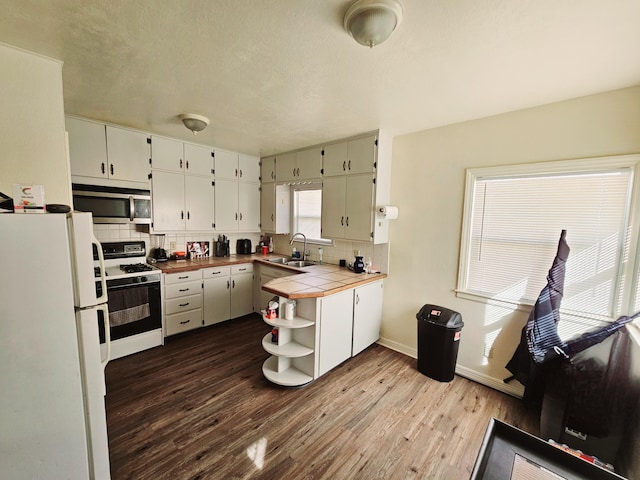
[199, 202]
[335, 159]
[87, 148]
[248, 207]
[268, 170]
[226, 205]
[335, 330]
[226, 164]
[333, 207]
[241, 294]
[367, 315]
[167, 195]
[248, 168]
[286, 167]
[198, 160]
[217, 298]
[362, 155]
[128, 152]
[268, 207]
[167, 154]
[359, 207]
[309, 164]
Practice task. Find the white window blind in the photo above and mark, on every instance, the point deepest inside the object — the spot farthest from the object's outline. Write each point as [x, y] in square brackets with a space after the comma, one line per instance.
[307, 208]
[513, 224]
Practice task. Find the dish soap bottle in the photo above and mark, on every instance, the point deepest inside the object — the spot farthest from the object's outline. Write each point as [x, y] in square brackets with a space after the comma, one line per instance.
[270, 244]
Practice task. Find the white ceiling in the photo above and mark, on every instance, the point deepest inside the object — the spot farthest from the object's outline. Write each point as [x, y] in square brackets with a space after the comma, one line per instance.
[282, 74]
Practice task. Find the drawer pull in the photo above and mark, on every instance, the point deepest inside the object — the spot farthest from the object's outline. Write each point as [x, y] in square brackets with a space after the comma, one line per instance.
[184, 289]
[185, 322]
[241, 269]
[182, 278]
[184, 304]
[215, 273]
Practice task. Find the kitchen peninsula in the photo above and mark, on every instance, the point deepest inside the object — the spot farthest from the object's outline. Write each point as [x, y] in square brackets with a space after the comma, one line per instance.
[337, 312]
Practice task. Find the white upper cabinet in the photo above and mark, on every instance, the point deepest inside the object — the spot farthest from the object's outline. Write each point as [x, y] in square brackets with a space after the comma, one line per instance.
[302, 166]
[167, 154]
[268, 170]
[248, 168]
[87, 148]
[198, 159]
[226, 164]
[351, 157]
[97, 150]
[128, 153]
[286, 167]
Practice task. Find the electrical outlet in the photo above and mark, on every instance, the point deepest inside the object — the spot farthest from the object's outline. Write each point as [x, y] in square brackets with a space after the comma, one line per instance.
[172, 245]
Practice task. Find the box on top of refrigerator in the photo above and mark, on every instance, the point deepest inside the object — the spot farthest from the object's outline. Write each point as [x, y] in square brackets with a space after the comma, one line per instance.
[28, 198]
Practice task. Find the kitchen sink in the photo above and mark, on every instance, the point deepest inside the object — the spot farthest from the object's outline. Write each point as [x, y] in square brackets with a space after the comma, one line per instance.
[278, 260]
[300, 263]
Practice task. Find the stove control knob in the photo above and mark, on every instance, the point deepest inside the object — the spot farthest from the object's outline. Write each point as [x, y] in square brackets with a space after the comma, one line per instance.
[142, 279]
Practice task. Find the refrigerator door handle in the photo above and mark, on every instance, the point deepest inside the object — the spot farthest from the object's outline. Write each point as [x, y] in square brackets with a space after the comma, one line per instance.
[107, 334]
[103, 277]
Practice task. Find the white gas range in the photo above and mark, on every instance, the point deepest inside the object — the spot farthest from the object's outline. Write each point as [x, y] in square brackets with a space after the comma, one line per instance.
[133, 289]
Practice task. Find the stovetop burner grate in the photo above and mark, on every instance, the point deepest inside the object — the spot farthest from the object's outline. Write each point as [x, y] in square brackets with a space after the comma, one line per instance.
[135, 267]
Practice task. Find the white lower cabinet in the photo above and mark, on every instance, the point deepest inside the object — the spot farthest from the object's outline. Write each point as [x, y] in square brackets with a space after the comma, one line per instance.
[217, 294]
[241, 289]
[182, 302]
[325, 332]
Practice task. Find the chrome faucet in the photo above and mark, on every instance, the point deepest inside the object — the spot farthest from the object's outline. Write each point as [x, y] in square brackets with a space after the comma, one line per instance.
[304, 251]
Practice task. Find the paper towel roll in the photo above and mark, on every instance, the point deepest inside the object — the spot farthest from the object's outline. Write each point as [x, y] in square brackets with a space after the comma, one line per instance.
[390, 213]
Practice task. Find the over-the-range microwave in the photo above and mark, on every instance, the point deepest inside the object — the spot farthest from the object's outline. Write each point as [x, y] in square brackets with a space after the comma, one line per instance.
[113, 204]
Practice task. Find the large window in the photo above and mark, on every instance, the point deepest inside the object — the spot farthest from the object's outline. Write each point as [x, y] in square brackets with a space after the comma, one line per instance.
[513, 219]
[307, 207]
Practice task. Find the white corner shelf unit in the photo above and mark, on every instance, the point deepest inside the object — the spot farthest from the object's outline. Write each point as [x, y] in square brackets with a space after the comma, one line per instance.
[292, 361]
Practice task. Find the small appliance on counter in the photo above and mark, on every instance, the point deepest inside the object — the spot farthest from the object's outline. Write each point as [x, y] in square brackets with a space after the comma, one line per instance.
[158, 253]
[222, 246]
[243, 246]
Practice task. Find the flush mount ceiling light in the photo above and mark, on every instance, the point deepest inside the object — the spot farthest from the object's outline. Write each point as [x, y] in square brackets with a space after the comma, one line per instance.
[195, 123]
[371, 22]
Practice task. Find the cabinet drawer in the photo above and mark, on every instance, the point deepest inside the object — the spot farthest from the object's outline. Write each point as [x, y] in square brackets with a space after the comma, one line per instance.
[216, 272]
[182, 304]
[170, 278]
[183, 289]
[181, 322]
[242, 268]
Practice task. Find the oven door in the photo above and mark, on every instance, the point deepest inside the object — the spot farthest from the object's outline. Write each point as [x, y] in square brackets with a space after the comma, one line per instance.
[133, 309]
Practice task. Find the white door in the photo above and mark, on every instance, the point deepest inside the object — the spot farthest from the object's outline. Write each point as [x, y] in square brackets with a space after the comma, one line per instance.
[168, 201]
[241, 294]
[248, 168]
[267, 207]
[359, 207]
[333, 206]
[286, 167]
[335, 330]
[217, 300]
[334, 161]
[129, 153]
[199, 202]
[249, 207]
[167, 154]
[87, 148]
[226, 205]
[367, 315]
[226, 164]
[198, 159]
[362, 155]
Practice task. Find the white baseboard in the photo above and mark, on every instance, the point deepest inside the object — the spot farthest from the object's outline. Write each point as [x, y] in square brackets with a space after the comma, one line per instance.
[513, 388]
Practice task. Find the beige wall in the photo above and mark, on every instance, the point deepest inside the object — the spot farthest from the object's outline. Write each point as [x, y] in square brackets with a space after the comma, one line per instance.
[32, 143]
[428, 173]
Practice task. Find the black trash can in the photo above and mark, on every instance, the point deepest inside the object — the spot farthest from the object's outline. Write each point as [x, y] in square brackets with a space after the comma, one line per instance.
[439, 331]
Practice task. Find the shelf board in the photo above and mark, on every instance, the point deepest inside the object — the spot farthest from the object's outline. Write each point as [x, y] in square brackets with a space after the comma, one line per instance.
[297, 322]
[291, 377]
[290, 349]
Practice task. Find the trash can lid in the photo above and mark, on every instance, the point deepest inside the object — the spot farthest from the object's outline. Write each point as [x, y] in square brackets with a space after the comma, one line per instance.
[440, 316]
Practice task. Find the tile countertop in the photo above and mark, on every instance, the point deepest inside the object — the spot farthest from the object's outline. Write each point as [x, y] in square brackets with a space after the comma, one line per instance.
[316, 281]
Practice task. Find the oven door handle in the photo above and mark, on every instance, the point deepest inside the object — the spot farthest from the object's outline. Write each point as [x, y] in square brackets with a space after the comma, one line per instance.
[103, 273]
[132, 209]
[107, 334]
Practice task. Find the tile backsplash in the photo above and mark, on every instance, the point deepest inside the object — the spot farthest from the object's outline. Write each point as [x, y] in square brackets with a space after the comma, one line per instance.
[172, 241]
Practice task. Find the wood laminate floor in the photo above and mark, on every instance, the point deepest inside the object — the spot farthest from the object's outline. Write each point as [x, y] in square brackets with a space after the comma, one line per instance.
[200, 408]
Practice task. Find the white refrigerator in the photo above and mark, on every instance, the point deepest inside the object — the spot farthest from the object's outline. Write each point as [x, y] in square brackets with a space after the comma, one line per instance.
[52, 389]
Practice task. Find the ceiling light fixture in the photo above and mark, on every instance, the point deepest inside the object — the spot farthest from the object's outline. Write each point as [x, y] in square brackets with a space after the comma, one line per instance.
[371, 22]
[195, 123]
